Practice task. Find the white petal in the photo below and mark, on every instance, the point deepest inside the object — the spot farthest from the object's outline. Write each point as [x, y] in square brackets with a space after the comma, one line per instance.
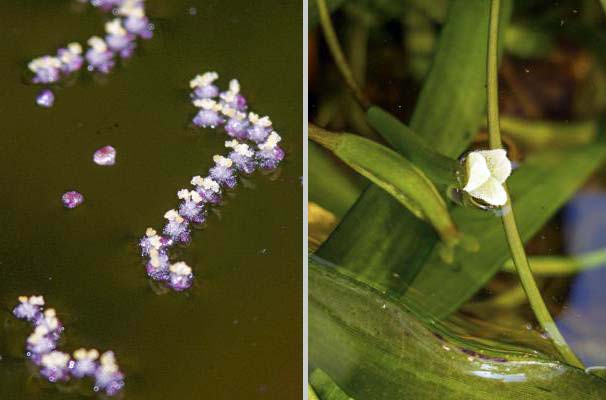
[498, 163]
[492, 192]
[477, 171]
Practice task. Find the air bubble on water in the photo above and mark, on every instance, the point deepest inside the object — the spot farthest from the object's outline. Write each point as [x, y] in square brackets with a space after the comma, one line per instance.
[193, 11]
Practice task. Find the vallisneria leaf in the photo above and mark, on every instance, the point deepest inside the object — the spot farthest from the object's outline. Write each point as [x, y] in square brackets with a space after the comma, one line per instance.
[394, 174]
[438, 167]
[538, 189]
[373, 347]
[379, 239]
[326, 388]
[329, 183]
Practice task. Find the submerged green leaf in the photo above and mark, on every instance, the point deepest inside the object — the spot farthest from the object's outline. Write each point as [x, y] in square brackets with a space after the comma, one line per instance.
[438, 167]
[325, 387]
[379, 239]
[538, 189]
[329, 183]
[375, 348]
[394, 174]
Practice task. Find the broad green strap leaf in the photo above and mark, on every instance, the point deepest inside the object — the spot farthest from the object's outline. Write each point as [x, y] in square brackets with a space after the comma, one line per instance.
[329, 183]
[311, 394]
[548, 133]
[538, 189]
[439, 168]
[379, 239]
[374, 348]
[394, 174]
[325, 387]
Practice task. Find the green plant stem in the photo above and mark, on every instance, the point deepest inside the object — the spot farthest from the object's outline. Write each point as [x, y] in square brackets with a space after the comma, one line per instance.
[562, 266]
[511, 229]
[339, 57]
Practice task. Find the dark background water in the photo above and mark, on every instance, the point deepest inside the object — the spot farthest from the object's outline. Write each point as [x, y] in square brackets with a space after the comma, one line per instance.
[238, 333]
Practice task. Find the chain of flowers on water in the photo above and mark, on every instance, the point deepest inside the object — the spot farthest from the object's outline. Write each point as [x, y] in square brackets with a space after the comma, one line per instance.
[56, 366]
[119, 41]
[216, 109]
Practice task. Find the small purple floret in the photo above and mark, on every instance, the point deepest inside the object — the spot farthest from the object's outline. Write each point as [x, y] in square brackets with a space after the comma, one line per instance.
[270, 158]
[102, 61]
[223, 175]
[258, 134]
[139, 26]
[105, 156]
[178, 231]
[237, 128]
[208, 119]
[208, 195]
[205, 92]
[46, 98]
[72, 199]
[242, 162]
[192, 211]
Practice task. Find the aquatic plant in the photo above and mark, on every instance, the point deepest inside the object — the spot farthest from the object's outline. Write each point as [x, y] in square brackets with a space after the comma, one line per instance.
[254, 146]
[425, 219]
[57, 366]
[120, 41]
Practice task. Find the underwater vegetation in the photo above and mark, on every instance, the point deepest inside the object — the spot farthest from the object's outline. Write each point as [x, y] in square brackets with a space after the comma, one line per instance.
[412, 224]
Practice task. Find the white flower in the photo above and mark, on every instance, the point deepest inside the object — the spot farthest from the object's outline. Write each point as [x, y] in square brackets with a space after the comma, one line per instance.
[487, 171]
[82, 354]
[183, 194]
[207, 104]
[203, 80]
[206, 183]
[195, 196]
[39, 333]
[55, 359]
[222, 161]
[97, 44]
[75, 48]
[114, 27]
[108, 362]
[33, 300]
[44, 62]
[271, 142]
[149, 232]
[180, 268]
[173, 215]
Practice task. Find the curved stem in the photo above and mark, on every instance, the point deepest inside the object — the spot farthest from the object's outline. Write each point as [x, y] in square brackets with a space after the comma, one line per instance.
[339, 57]
[516, 245]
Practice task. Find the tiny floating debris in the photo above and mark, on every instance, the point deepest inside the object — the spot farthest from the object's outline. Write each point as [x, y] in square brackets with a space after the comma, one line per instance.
[72, 199]
[45, 99]
[216, 109]
[119, 41]
[57, 366]
[105, 156]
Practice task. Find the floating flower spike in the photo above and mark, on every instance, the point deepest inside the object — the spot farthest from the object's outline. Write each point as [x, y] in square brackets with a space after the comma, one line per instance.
[216, 109]
[119, 41]
[486, 172]
[55, 366]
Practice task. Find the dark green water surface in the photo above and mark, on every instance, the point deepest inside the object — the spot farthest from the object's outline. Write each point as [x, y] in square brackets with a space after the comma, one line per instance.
[237, 333]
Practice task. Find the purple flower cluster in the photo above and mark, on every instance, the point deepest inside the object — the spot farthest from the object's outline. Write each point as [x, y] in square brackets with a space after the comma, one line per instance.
[57, 366]
[119, 41]
[226, 109]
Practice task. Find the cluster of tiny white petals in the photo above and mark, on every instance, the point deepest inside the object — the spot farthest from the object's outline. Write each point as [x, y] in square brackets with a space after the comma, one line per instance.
[215, 108]
[129, 23]
[56, 365]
